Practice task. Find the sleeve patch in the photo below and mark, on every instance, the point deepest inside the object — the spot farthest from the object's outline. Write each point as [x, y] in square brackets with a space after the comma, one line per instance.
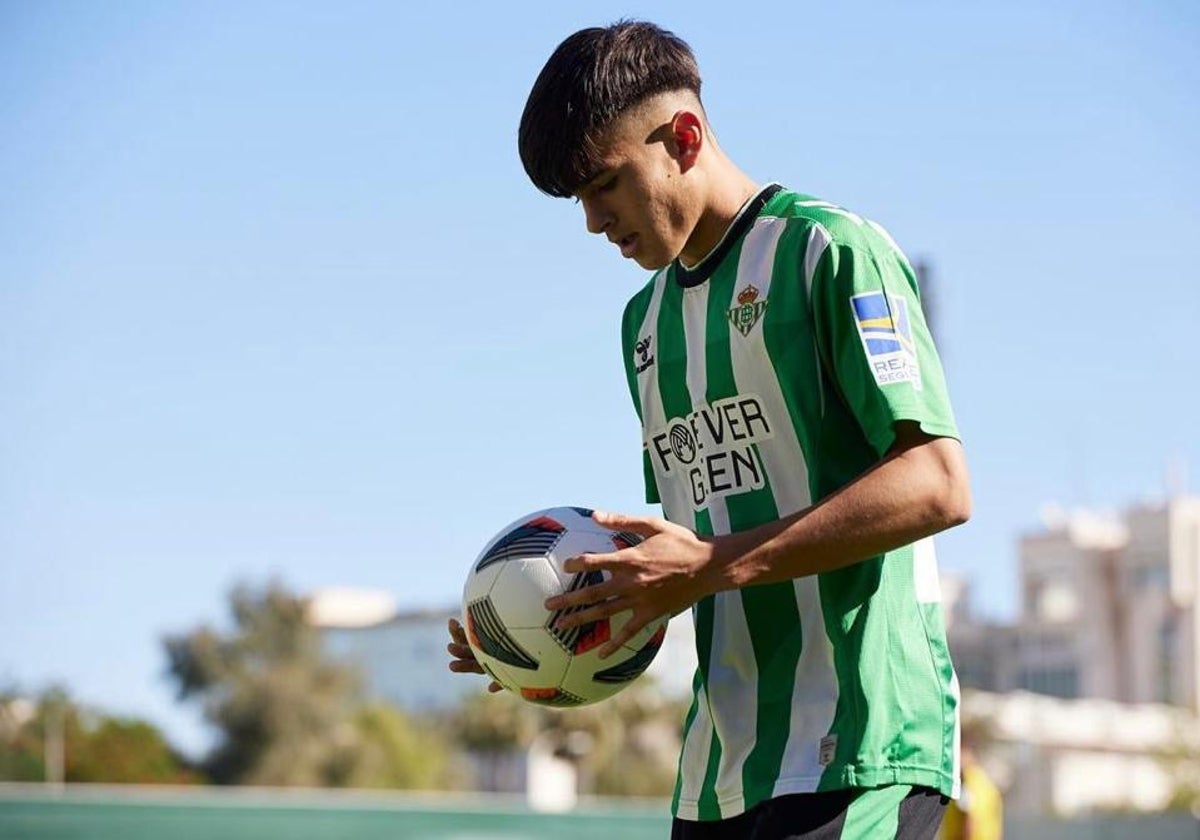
[886, 332]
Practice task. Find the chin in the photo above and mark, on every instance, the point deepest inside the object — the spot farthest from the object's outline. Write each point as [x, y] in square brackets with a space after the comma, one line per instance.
[652, 262]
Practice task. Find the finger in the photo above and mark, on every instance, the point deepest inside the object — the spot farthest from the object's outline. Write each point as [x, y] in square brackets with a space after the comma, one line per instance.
[460, 651]
[591, 614]
[465, 666]
[456, 632]
[494, 686]
[582, 563]
[644, 525]
[584, 596]
[631, 629]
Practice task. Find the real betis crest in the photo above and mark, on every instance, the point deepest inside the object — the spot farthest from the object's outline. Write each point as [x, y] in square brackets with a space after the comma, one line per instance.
[749, 309]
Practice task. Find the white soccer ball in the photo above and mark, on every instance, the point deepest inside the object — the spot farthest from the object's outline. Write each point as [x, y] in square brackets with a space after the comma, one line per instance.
[513, 635]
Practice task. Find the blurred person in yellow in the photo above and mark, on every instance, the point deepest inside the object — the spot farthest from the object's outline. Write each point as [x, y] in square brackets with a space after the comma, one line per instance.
[978, 813]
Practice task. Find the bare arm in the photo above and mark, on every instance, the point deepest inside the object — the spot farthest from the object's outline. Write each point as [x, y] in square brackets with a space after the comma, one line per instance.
[919, 488]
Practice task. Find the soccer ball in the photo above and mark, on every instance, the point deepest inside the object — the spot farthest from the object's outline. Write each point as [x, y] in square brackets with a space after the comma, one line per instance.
[513, 635]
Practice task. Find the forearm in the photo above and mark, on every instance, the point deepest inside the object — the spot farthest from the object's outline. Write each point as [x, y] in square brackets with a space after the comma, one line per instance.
[921, 488]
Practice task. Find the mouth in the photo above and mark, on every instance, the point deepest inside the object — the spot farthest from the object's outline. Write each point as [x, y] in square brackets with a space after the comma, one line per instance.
[628, 244]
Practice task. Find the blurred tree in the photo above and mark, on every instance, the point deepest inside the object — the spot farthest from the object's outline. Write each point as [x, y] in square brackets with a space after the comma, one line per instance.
[286, 714]
[392, 751]
[632, 739]
[22, 739]
[95, 747]
[635, 738]
[645, 759]
[497, 723]
[1182, 763]
[128, 751]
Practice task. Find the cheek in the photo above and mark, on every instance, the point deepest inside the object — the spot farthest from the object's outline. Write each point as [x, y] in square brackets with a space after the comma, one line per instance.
[665, 215]
[670, 209]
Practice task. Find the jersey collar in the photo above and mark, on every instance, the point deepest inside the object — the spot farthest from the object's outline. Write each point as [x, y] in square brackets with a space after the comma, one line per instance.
[701, 271]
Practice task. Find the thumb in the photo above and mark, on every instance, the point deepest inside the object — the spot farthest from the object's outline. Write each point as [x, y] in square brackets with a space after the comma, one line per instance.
[642, 525]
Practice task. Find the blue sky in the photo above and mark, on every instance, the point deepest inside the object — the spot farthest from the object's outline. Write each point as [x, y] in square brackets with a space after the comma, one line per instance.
[277, 300]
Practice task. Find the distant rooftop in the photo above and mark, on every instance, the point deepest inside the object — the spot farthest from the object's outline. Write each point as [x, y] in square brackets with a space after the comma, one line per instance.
[348, 607]
[1086, 528]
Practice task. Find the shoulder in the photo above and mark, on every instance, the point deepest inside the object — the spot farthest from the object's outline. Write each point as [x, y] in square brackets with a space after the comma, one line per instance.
[638, 307]
[822, 223]
[642, 299]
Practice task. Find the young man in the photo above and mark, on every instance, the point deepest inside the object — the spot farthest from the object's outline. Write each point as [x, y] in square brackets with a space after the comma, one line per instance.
[798, 435]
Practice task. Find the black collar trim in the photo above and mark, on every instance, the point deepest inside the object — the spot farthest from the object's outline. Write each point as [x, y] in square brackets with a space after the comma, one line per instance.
[701, 271]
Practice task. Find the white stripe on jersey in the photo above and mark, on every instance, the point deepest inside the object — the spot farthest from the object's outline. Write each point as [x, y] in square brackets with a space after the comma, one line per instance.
[695, 328]
[733, 687]
[676, 505]
[693, 759]
[728, 676]
[814, 695]
[695, 333]
[925, 572]
[814, 249]
[781, 456]
[818, 242]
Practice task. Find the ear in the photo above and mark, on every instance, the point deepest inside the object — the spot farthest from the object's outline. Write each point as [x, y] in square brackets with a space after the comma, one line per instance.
[687, 138]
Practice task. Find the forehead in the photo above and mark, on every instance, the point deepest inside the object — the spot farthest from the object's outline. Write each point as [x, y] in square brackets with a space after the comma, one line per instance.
[614, 145]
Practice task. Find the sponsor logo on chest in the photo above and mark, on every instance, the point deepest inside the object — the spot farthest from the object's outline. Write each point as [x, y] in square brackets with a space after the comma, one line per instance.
[713, 449]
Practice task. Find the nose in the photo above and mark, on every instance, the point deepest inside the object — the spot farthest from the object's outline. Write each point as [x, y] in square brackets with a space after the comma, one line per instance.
[596, 215]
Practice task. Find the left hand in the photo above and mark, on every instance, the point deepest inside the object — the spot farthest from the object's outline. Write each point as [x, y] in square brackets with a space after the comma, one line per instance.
[662, 575]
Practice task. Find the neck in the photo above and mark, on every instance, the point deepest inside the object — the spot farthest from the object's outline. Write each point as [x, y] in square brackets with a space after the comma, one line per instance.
[732, 188]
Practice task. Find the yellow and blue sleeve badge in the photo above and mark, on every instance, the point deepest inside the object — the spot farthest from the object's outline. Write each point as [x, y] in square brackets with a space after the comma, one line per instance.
[885, 328]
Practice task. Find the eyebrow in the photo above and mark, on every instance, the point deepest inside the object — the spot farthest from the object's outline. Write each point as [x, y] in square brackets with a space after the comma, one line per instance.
[600, 175]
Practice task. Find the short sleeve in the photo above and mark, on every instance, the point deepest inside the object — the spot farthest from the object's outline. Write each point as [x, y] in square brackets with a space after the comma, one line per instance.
[874, 339]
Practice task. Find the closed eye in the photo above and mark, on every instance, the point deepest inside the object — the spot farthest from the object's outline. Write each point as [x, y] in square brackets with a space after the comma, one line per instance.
[604, 182]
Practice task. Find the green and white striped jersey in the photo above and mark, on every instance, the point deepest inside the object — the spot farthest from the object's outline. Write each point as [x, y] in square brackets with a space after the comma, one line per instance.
[766, 378]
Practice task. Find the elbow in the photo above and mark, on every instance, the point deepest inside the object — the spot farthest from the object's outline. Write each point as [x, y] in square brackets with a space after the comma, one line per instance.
[940, 485]
[954, 497]
[950, 490]
[954, 507]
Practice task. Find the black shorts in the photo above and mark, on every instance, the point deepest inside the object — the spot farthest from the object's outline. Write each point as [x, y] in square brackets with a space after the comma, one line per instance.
[901, 812]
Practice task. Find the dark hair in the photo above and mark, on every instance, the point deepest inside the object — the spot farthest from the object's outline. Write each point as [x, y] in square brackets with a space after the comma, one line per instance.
[591, 78]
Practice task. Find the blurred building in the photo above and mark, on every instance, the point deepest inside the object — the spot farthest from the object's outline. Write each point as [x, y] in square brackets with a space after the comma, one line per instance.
[402, 657]
[1088, 701]
[1066, 758]
[1108, 609]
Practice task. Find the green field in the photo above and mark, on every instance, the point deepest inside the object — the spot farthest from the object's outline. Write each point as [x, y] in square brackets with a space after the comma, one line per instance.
[85, 812]
[142, 814]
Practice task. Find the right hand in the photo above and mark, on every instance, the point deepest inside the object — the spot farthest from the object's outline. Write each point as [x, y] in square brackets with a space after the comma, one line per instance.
[464, 661]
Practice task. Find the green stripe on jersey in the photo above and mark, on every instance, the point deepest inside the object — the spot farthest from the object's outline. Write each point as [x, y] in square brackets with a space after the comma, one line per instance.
[771, 613]
[697, 682]
[709, 807]
[875, 814]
